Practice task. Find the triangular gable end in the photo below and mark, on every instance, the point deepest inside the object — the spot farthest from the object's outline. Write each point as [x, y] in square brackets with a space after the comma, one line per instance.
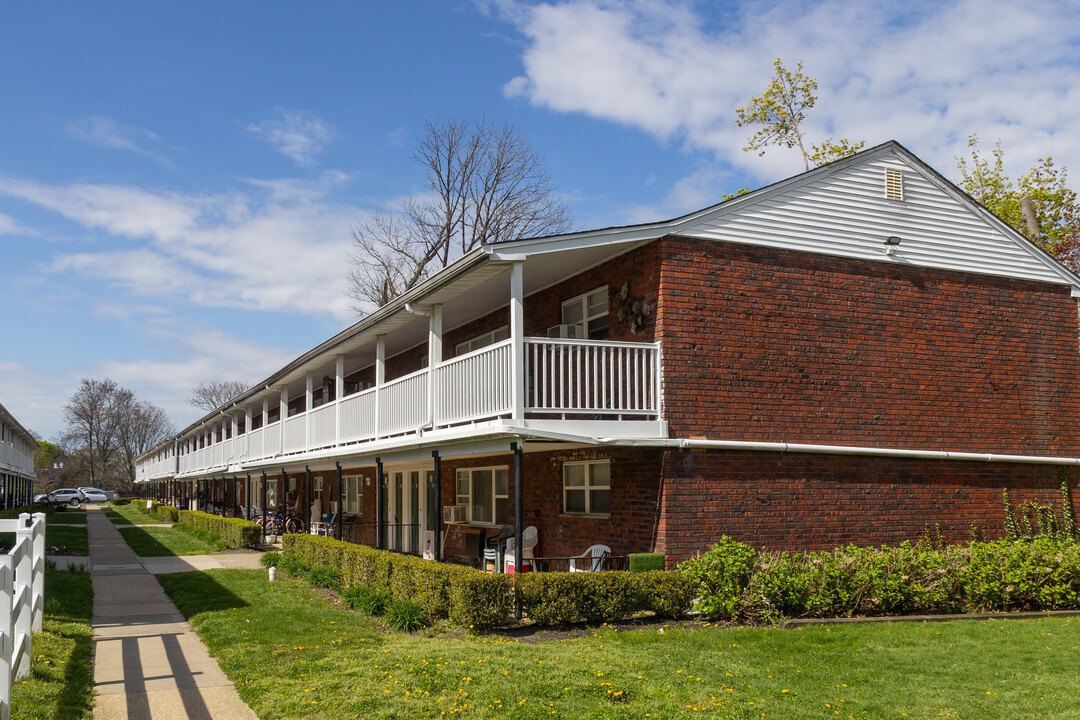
[845, 210]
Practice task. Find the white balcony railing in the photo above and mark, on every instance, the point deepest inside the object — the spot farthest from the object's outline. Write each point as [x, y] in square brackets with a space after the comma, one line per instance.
[15, 460]
[563, 379]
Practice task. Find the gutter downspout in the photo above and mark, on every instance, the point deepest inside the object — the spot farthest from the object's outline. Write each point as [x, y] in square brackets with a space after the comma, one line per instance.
[868, 451]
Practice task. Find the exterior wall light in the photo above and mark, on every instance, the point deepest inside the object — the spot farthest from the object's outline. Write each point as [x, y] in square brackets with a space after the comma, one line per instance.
[890, 244]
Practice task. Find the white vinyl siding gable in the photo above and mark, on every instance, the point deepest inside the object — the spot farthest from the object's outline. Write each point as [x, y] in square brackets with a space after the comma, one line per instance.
[846, 213]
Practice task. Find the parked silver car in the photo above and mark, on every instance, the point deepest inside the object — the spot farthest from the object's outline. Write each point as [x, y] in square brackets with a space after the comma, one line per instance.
[66, 496]
[94, 495]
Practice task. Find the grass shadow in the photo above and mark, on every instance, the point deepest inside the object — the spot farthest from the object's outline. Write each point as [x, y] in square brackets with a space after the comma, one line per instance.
[163, 542]
[198, 592]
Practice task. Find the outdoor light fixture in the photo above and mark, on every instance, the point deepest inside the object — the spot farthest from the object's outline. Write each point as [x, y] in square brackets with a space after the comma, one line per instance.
[890, 244]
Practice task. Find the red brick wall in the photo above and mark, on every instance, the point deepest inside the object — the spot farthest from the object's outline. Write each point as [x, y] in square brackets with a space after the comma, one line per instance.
[763, 344]
[792, 501]
[635, 477]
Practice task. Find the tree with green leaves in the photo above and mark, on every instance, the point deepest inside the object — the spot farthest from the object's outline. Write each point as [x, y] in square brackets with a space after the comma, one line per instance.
[1055, 221]
[781, 111]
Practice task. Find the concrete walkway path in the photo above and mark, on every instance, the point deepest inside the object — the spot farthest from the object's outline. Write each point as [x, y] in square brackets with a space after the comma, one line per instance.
[148, 663]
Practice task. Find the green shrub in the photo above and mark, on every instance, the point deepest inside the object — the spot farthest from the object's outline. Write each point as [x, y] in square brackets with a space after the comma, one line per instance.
[293, 565]
[366, 600]
[167, 512]
[644, 562]
[325, 577]
[406, 615]
[235, 531]
[722, 573]
[669, 594]
[123, 501]
[481, 600]
[556, 598]
[270, 559]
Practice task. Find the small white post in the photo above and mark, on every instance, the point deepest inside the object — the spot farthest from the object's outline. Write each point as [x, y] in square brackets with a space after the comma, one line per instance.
[7, 632]
[38, 594]
[283, 414]
[24, 570]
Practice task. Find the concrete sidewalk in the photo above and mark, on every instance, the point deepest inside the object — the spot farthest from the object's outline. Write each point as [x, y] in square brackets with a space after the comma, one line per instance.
[148, 663]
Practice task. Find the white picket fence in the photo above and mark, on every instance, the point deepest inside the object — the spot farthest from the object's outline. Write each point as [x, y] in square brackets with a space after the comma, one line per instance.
[22, 601]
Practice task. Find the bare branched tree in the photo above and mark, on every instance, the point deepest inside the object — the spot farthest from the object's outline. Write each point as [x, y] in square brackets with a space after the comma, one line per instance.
[212, 395]
[106, 429]
[143, 425]
[486, 184]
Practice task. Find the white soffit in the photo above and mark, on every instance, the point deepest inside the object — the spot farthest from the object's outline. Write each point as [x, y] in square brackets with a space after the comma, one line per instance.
[845, 213]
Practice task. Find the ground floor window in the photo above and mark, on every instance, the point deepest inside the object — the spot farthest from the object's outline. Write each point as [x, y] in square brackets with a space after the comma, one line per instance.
[587, 487]
[354, 495]
[486, 492]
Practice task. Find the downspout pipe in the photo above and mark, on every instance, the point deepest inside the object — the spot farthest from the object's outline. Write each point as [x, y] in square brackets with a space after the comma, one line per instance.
[689, 444]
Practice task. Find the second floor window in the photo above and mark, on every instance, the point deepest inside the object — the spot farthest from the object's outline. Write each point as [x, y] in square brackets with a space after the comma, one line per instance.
[488, 338]
[589, 312]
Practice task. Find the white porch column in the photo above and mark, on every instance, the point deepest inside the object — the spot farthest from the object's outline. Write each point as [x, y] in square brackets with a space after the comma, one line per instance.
[265, 413]
[517, 336]
[339, 394]
[309, 401]
[247, 432]
[234, 447]
[434, 357]
[283, 413]
[380, 378]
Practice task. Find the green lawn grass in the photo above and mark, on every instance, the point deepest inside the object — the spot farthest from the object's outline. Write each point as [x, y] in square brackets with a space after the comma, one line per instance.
[164, 541]
[293, 654]
[67, 516]
[70, 540]
[132, 515]
[61, 680]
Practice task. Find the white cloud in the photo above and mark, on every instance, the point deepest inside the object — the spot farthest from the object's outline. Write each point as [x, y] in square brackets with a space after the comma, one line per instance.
[926, 74]
[8, 226]
[296, 134]
[107, 133]
[281, 248]
[36, 398]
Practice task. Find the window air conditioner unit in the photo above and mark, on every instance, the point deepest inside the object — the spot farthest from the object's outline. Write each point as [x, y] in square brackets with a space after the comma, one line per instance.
[563, 331]
[455, 514]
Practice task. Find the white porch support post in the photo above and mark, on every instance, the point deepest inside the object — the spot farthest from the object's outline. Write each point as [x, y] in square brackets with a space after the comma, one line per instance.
[265, 414]
[283, 413]
[434, 358]
[380, 378]
[234, 447]
[247, 432]
[339, 394]
[517, 335]
[309, 401]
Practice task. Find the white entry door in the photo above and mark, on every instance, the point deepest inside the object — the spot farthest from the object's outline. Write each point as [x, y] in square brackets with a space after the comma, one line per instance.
[410, 510]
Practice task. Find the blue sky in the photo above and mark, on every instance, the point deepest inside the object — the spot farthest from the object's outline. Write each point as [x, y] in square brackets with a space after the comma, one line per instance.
[179, 180]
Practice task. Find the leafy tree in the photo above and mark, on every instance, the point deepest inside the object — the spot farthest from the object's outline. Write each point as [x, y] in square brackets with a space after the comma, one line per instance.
[485, 184]
[1056, 207]
[212, 395]
[46, 455]
[781, 111]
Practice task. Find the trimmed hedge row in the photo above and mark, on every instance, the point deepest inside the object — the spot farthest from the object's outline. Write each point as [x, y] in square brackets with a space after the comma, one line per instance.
[476, 599]
[235, 531]
[464, 595]
[737, 582]
[167, 512]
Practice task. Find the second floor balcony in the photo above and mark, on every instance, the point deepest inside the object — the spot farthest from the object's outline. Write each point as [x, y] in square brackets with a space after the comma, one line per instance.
[564, 383]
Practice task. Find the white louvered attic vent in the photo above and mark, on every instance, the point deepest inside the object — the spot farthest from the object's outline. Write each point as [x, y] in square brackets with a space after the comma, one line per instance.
[894, 184]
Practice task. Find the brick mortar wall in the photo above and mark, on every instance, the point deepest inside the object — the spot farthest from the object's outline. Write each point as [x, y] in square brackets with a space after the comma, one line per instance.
[793, 501]
[777, 345]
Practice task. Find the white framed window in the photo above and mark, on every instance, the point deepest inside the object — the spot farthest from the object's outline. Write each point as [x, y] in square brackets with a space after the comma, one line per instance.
[589, 312]
[354, 495]
[486, 492]
[587, 487]
[316, 488]
[271, 493]
[489, 338]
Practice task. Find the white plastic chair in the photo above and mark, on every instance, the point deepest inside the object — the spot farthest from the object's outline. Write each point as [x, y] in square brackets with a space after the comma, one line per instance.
[593, 558]
[529, 538]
